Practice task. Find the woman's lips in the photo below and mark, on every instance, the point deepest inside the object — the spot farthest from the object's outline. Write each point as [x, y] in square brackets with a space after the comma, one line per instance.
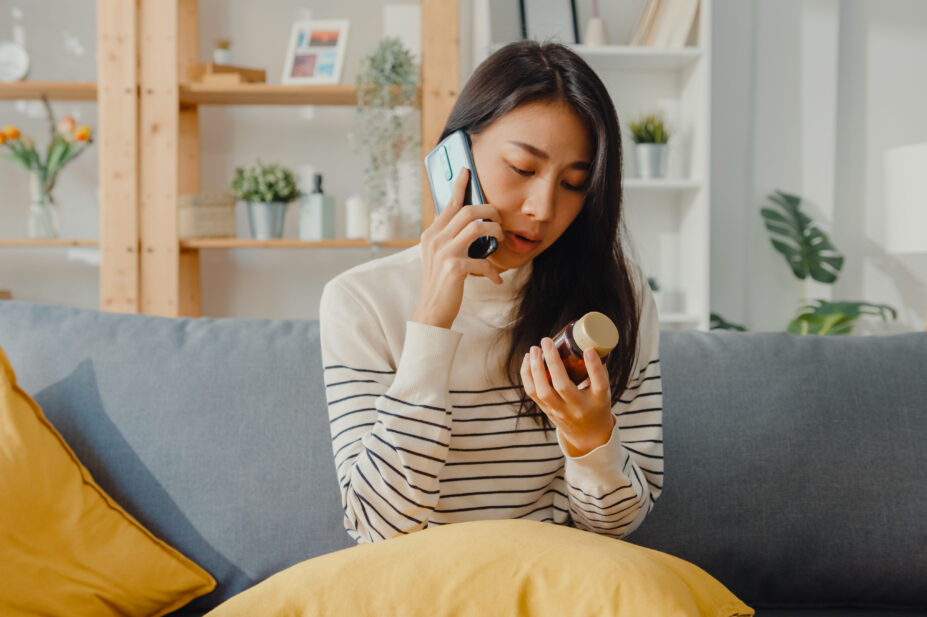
[520, 244]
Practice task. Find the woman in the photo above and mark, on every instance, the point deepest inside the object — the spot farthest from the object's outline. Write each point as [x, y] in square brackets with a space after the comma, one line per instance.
[434, 362]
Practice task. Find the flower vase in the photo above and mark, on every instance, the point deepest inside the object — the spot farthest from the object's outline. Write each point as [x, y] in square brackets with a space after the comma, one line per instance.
[43, 211]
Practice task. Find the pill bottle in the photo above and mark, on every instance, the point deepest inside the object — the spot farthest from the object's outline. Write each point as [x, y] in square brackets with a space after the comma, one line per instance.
[593, 330]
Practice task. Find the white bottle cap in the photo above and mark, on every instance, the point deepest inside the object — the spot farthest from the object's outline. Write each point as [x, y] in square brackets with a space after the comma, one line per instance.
[597, 331]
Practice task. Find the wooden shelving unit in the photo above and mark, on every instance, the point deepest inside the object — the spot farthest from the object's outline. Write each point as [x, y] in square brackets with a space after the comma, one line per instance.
[284, 243]
[168, 135]
[148, 143]
[45, 242]
[266, 94]
[53, 90]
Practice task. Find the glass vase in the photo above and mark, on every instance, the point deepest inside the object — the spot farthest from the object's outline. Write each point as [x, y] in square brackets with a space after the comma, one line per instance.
[43, 211]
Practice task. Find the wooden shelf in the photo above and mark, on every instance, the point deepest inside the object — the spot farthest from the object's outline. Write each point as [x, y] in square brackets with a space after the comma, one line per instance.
[266, 94]
[54, 90]
[45, 242]
[244, 243]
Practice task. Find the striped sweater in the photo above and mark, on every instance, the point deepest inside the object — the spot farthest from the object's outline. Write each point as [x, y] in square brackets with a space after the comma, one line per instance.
[423, 421]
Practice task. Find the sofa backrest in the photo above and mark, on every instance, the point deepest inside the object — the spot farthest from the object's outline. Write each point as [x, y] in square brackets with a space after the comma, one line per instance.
[795, 471]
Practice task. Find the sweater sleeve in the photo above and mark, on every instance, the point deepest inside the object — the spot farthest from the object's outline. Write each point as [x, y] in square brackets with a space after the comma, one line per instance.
[390, 420]
[613, 487]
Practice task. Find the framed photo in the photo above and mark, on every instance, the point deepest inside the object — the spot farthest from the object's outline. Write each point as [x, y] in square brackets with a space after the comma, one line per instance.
[316, 53]
[543, 20]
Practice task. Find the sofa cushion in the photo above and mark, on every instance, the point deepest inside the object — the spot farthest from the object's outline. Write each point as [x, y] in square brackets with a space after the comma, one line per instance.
[66, 548]
[211, 432]
[504, 567]
[796, 471]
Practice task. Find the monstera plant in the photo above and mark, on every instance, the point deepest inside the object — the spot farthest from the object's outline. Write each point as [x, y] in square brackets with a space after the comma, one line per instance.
[809, 253]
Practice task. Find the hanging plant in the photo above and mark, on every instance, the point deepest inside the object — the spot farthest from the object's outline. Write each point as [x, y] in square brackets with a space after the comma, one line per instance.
[386, 127]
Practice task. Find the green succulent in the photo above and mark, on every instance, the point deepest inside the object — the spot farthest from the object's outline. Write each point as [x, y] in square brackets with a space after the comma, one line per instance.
[265, 183]
[649, 129]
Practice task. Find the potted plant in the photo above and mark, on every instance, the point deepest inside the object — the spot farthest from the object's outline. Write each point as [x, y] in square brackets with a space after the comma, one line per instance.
[649, 134]
[809, 253]
[267, 189]
[67, 142]
[386, 127]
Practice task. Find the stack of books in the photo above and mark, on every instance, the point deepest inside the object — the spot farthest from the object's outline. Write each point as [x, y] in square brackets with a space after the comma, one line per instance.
[666, 23]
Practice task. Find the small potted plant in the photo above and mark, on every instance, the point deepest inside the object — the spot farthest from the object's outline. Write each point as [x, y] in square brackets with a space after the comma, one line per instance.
[386, 127]
[67, 142]
[268, 190]
[650, 135]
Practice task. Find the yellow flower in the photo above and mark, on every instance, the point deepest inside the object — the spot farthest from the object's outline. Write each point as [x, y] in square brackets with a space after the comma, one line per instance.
[11, 132]
[82, 133]
[2, 139]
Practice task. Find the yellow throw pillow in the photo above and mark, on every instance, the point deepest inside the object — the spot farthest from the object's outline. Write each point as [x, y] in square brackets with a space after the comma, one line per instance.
[479, 568]
[66, 548]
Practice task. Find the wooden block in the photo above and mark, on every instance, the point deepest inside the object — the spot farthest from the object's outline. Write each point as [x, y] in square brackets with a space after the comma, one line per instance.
[6, 295]
[210, 72]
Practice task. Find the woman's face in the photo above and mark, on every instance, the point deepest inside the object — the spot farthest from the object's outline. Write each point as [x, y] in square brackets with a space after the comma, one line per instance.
[533, 164]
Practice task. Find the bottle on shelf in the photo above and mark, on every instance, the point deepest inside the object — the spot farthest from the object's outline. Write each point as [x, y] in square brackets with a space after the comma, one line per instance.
[317, 214]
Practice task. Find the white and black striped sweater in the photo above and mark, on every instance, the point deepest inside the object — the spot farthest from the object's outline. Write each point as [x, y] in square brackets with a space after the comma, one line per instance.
[423, 425]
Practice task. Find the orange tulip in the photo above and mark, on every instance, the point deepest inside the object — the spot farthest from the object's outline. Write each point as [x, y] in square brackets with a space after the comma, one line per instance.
[67, 125]
[2, 139]
[82, 133]
[11, 132]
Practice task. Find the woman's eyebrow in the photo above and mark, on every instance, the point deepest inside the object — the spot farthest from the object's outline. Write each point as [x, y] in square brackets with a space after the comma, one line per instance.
[543, 155]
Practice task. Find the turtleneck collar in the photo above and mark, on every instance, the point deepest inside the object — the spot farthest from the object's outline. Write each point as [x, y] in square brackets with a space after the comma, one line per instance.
[482, 289]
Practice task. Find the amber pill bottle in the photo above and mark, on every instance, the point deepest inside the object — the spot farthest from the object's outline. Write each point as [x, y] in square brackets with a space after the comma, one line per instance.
[592, 330]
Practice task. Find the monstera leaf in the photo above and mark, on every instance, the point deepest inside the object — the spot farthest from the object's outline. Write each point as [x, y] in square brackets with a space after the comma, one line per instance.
[835, 317]
[806, 248]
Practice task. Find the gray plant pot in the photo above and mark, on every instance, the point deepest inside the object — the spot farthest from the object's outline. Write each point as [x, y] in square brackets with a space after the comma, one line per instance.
[266, 219]
[650, 160]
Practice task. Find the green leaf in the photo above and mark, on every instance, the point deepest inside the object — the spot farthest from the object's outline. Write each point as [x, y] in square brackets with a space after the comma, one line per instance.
[719, 323]
[806, 248]
[835, 318]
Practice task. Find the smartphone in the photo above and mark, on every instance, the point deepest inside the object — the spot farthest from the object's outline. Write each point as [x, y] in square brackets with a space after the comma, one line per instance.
[442, 166]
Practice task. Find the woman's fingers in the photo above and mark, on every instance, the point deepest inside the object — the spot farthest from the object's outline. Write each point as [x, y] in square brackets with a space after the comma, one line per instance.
[598, 375]
[543, 387]
[558, 374]
[457, 196]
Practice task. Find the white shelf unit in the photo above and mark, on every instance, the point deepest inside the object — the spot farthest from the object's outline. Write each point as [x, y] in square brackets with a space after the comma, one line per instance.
[669, 218]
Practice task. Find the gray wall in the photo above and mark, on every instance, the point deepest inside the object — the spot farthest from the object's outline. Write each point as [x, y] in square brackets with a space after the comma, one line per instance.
[806, 96]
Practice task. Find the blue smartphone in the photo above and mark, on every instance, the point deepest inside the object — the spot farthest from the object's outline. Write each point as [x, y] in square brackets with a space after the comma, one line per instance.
[442, 166]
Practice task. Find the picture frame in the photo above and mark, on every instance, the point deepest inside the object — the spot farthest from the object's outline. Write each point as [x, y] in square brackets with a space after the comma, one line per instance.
[543, 20]
[315, 55]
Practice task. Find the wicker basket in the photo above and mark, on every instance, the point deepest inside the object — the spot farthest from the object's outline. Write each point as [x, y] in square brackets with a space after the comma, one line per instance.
[207, 215]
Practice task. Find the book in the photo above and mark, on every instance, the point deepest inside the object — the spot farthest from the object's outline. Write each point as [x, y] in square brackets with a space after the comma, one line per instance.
[682, 28]
[646, 21]
[665, 23]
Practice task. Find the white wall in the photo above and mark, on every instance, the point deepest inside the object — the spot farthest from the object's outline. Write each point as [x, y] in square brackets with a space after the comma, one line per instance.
[807, 96]
[781, 119]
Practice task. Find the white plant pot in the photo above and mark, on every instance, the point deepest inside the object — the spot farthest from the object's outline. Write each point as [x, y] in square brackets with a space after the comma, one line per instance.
[266, 219]
[650, 160]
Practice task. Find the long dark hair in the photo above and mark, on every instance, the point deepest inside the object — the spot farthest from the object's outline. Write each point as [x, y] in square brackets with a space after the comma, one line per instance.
[585, 269]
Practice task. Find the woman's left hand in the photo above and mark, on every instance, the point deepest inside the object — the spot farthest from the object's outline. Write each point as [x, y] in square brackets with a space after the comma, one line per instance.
[582, 416]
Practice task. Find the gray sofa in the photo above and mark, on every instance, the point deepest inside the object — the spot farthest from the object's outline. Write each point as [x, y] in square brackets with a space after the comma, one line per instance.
[796, 471]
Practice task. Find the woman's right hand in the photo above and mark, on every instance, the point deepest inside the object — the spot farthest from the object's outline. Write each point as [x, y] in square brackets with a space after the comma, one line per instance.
[445, 263]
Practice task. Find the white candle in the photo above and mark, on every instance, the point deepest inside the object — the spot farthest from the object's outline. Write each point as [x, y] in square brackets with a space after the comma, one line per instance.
[357, 217]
